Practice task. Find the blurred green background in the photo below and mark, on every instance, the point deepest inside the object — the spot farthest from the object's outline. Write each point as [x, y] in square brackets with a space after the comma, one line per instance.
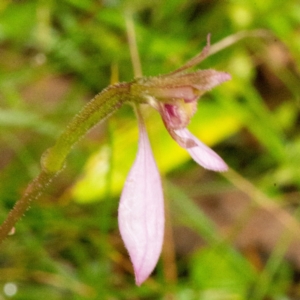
[228, 236]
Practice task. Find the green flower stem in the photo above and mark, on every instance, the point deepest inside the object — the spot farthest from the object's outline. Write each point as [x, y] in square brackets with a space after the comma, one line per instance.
[33, 191]
[102, 106]
[99, 108]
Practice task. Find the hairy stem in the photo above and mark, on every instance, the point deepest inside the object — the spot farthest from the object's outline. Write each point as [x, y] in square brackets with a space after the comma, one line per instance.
[33, 191]
[102, 106]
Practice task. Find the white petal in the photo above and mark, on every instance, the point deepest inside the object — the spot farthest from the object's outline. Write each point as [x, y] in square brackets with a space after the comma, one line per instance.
[141, 211]
[202, 154]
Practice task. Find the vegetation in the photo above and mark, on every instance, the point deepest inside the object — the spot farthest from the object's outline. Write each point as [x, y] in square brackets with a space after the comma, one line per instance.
[233, 235]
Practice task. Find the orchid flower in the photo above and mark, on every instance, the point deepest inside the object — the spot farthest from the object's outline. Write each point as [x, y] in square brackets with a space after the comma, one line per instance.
[141, 209]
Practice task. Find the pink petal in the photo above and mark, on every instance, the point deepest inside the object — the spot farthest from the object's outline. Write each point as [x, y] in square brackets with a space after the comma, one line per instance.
[141, 211]
[181, 141]
[187, 86]
[202, 80]
[202, 154]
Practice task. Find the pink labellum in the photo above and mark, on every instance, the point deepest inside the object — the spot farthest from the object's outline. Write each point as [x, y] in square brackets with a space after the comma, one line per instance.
[141, 211]
[202, 154]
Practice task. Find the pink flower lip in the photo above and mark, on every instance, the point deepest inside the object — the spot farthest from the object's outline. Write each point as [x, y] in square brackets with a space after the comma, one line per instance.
[202, 154]
[141, 211]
